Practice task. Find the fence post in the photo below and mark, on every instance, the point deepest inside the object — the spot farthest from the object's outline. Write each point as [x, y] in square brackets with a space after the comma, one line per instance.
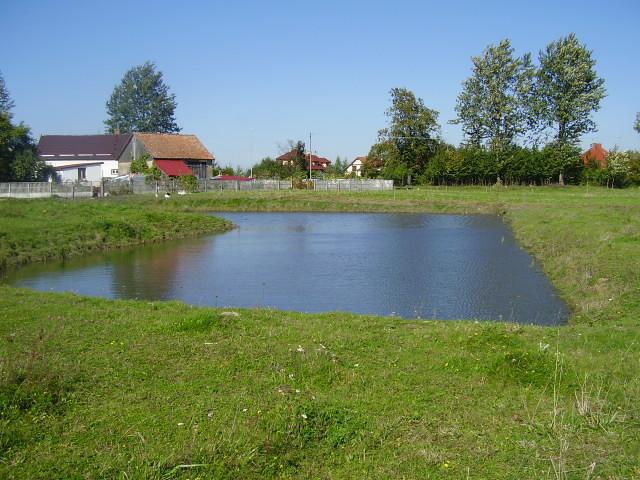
[51, 189]
[73, 192]
[9, 189]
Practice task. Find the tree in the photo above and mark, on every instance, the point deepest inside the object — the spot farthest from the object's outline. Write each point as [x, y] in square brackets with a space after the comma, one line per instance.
[568, 89]
[637, 124]
[411, 138]
[142, 103]
[6, 103]
[28, 167]
[140, 164]
[300, 159]
[493, 107]
[14, 139]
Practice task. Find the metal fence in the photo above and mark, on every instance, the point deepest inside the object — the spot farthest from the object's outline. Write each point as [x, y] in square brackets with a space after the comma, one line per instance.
[49, 189]
[141, 185]
[353, 185]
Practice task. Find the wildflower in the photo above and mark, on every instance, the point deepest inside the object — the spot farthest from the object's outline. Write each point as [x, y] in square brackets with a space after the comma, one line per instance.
[304, 415]
[180, 424]
[244, 409]
[300, 349]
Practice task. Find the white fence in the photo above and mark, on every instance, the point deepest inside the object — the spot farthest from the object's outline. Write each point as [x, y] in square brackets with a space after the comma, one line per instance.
[139, 185]
[353, 185]
[49, 189]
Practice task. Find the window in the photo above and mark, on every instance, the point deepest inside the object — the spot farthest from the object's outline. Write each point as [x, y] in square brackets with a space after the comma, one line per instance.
[114, 171]
[82, 174]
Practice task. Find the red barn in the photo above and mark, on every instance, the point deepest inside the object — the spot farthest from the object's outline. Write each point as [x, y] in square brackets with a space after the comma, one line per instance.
[596, 154]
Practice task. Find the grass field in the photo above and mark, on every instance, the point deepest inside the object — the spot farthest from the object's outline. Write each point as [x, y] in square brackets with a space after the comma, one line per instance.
[94, 388]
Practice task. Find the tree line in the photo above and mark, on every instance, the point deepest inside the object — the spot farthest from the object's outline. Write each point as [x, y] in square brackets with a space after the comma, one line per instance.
[521, 123]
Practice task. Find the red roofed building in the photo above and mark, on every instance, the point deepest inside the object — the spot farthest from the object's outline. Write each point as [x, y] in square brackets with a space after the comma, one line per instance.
[318, 164]
[596, 154]
[175, 154]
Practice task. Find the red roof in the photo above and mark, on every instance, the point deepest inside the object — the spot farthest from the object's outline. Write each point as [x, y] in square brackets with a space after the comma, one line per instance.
[596, 154]
[233, 177]
[317, 163]
[174, 168]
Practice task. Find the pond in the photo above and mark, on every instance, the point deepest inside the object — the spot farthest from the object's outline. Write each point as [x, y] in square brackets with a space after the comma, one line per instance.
[410, 265]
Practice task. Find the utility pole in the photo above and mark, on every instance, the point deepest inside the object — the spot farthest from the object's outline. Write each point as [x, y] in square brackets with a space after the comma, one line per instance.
[309, 156]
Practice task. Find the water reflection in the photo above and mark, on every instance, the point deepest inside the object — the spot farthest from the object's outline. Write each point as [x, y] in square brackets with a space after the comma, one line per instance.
[412, 265]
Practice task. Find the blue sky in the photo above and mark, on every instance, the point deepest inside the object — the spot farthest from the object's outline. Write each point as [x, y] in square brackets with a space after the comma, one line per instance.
[248, 76]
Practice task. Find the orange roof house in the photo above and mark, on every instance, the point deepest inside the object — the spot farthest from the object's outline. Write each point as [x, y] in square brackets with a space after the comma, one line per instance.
[175, 154]
[596, 154]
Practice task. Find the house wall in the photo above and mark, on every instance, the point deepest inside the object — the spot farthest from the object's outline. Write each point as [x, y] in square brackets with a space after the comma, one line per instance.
[106, 171]
[70, 174]
[134, 149]
[355, 167]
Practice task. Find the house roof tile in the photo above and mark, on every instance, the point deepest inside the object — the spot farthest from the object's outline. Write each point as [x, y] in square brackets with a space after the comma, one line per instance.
[82, 147]
[169, 145]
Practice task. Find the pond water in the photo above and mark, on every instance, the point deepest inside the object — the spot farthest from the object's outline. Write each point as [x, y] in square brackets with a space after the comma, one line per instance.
[410, 265]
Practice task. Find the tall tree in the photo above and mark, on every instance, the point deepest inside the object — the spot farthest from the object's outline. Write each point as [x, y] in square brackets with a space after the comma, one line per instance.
[6, 103]
[406, 145]
[14, 140]
[636, 126]
[493, 107]
[142, 103]
[18, 158]
[568, 89]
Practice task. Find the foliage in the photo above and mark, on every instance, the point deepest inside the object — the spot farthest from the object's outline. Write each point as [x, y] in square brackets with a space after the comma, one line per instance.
[140, 164]
[618, 167]
[14, 140]
[636, 126]
[28, 167]
[634, 167]
[568, 89]
[142, 103]
[189, 183]
[300, 159]
[154, 173]
[562, 161]
[406, 145]
[6, 103]
[493, 107]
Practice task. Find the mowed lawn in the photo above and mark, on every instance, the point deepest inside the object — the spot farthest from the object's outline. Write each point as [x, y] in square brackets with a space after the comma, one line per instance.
[91, 388]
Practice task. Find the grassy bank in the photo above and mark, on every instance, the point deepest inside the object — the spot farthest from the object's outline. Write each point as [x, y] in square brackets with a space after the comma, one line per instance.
[94, 388]
[49, 229]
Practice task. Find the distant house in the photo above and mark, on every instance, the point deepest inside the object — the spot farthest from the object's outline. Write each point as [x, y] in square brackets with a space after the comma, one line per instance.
[596, 154]
[355, 167]
[318, 164]
[174, 154]
[83, 157]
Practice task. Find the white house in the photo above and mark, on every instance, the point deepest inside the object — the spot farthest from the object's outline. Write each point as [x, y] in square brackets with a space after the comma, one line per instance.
[83, 157]
[356, 166]
[84, 172]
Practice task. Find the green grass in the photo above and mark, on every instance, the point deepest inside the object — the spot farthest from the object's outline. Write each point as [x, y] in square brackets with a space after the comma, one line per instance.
[50, 229]
[93, 388]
